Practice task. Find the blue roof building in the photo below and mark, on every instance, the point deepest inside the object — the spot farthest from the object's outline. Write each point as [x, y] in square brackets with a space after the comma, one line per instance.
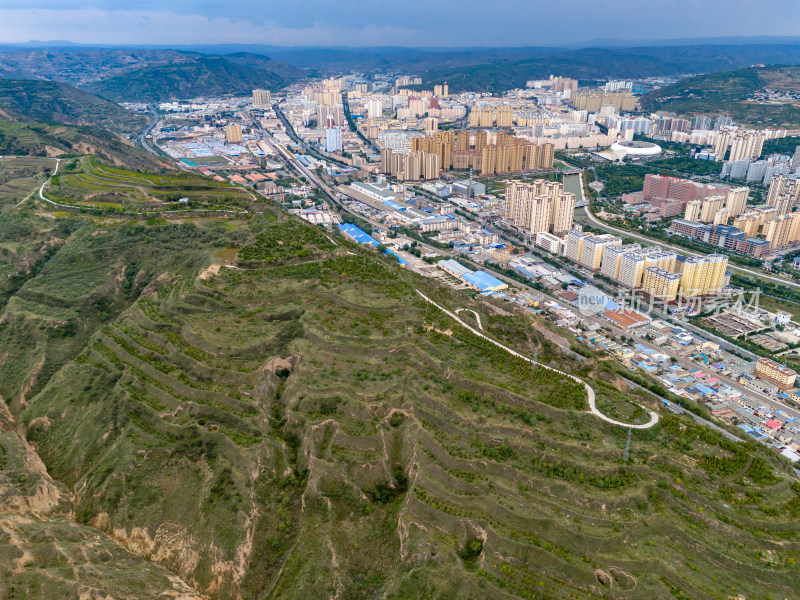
[484, 282]
[357, 234]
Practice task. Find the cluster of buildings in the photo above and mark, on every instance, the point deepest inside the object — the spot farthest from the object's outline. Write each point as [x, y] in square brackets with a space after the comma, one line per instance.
[483, 153]
[539, 207]
[695, 368]
[664, 196]
[661, 274]
[707, 219]
[761, 172]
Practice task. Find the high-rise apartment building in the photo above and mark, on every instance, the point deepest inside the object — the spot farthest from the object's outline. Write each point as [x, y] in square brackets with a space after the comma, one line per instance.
[592, 100]
[710, 207]
[784, 192]
[702, 122]
[736, 202]
[262, 98]
[703, 275]
[744, 144]
[721, 217]
[330, 116]
[782, 230]
[722, 122]
[386, 160]
[660, 283]
[747, 144]
[592, 249]
[631, 269]
[747, 222]
[574, 244]
[541, 206]
[612, 257]
[504, 117]
[374, 108]
[413, 166]
[333, 139]
[692, 212]
[632, 264]
[233, 133]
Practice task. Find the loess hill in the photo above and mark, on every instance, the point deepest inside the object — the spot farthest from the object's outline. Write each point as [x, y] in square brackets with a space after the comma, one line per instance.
[201, 75]
[259, 409]
[730, 93]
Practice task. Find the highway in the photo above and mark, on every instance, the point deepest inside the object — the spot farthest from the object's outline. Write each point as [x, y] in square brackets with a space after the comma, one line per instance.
[293, 162]
[731, 267]
[353, 127]
[141, 139]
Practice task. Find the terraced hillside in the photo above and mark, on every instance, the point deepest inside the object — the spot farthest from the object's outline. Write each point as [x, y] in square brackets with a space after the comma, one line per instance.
[85, 182]
[272, 412]
[37, 139]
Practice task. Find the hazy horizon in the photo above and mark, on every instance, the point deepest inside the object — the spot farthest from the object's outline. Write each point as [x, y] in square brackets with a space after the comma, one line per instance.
[417, 23]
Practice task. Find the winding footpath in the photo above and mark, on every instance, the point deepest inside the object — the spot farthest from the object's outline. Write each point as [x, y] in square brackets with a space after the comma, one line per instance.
[589, 391]
[477, 316]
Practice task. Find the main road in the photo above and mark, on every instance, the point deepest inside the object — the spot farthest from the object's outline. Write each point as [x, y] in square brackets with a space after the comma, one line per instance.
[294, 163]
[141, 139]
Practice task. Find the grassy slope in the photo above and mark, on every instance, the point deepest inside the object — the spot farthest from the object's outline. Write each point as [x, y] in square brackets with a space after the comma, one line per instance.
[50, 101]
[88, 183]
[247, 423]
[203, 76]
[38, 139]
[725, 93]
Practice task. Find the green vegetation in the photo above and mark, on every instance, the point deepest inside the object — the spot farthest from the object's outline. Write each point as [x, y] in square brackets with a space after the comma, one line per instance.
[729, 93]
[297, 421]
[53, 102]
[198, 75]
[87, 184]
[786, 145]
[511, 68]
[37, 139]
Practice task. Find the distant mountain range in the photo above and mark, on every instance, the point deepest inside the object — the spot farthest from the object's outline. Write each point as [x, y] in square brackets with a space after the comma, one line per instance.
[157, 74]
[202, 75]
[147, 75]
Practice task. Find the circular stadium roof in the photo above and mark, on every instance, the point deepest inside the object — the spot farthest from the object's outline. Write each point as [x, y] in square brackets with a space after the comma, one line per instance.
[636, 148]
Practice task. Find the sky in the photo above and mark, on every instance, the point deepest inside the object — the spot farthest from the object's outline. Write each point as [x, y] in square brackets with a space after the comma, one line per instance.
[396, 23]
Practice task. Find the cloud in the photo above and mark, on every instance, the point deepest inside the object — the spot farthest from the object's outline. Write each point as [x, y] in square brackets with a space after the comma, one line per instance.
[381, 22]
[116, 27]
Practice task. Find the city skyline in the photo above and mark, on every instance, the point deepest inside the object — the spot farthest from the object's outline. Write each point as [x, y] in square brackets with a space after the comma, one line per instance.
[359, 24]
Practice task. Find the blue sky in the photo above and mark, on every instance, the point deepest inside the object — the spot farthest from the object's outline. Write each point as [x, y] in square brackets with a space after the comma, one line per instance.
[401, 22]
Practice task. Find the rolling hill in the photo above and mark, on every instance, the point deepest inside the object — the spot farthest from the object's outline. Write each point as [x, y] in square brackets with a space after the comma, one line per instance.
[54, 102]
[40, 139]
[501, 73]
[201, 76]
[729, 93]
[263, 409]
